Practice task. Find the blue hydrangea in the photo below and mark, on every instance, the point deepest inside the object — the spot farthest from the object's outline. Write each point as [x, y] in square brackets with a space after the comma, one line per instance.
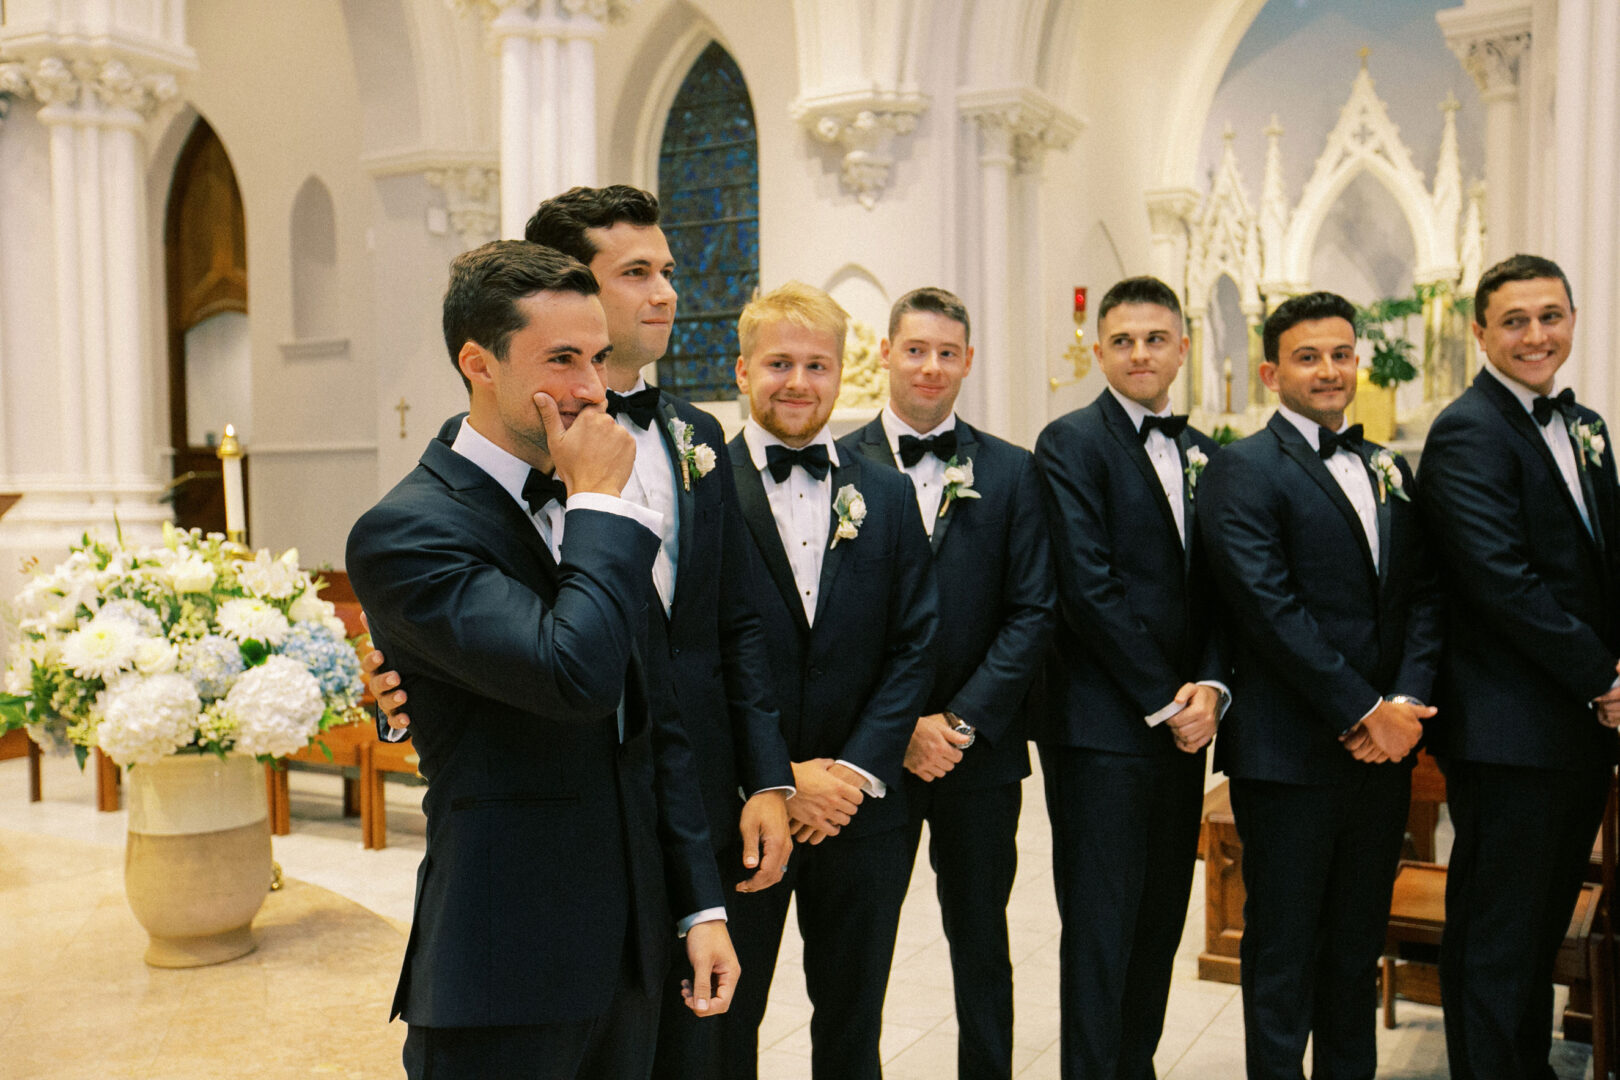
[329, 658]
[212, 663]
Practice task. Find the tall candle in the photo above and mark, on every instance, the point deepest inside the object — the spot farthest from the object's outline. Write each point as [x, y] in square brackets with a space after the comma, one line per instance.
[230, 456]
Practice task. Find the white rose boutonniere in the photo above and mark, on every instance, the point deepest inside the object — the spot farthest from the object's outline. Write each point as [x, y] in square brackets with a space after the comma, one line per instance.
[1388, 475]
[958, 483]
[1197, 462]
[1589, 437]
[693, 457]
[851, 511]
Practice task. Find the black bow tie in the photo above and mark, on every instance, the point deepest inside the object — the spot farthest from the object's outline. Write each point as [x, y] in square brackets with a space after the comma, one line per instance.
[1563, 403]
[913, 449]
[641, 407]
[1172, 426]
[1348, 439]
[540, 489]
[779, 461]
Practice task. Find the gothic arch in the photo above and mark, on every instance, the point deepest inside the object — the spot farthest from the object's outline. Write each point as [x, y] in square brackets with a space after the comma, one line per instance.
[1203, 67]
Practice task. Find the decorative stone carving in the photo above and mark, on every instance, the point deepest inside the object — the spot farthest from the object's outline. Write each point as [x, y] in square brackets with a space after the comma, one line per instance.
[56, 80]
[604, 11]
[1021, 123]
[865, 126]
[1493, 62]
[472, 197]
[864, 385]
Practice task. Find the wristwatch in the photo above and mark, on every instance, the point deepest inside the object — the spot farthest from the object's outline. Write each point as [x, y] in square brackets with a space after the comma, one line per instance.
[1403, 699]
[961, 727]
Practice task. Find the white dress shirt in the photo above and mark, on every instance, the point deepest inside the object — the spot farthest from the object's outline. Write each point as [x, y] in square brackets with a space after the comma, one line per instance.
[1165, 456]
[928, 475]
[1351, 473]
[652, 484]
[802, 507]
[1556, 432]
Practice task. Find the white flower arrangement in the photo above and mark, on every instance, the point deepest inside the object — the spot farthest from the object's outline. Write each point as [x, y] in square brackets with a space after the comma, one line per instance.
[958, 483]
[851, 510]
[1589, 437]
[693, 457]
[183, 646]
[1197, 462]
[1388, 475]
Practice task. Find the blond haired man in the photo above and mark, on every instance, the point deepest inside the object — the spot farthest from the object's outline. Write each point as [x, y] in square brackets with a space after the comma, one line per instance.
[846, 597]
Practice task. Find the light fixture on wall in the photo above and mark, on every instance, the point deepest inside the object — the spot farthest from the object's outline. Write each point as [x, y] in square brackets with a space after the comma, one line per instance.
[1076, 354]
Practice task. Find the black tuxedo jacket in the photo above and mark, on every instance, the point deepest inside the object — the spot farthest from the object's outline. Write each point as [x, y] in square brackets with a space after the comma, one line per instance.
[1318, 633]
[852, 686]
[548, 841]
[993, 569]
[1137, 609]
[707, 658]
[1533, 627]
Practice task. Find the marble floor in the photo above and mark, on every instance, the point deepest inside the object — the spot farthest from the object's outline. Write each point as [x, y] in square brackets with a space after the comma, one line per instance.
[1203, 1038]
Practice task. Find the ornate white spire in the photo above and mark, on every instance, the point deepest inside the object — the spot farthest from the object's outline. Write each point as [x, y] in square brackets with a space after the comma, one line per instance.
[1472, 251]
[1273, 203]
[1447, 180]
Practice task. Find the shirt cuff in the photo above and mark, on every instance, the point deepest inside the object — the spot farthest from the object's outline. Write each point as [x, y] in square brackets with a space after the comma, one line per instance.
[613, 504]
[394, 734]
[708, 914]
[1612, 686]
[873, 786]
[1157, 718]
[787, 790]
[1364, 716]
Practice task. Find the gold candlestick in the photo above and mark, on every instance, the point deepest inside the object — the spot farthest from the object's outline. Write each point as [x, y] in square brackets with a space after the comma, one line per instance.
[230, 456]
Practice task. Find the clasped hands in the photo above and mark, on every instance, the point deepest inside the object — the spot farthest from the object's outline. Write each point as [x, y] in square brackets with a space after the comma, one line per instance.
[827, 798]
[1388, 733]
[1607, 706]
[1194, 726]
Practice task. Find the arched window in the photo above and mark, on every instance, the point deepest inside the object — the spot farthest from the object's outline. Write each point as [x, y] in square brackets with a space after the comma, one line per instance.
[708, 190]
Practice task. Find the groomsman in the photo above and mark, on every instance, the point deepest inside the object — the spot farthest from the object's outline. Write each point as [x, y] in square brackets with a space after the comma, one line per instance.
[980, 503]
[706, 655]
[849, 613]
[1134, 686]
[508, 579]
[1519, 492]
[1319, 555]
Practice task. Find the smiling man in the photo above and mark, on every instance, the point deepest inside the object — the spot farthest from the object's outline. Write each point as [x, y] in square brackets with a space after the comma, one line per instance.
[1519, 491]
[980, 501]
[1333, 623]
[506, 578]
[849, 612]
[1135, 685]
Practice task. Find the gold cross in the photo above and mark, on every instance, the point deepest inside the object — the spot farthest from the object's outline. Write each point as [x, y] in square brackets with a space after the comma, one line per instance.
[402, 408]
[1364, 53]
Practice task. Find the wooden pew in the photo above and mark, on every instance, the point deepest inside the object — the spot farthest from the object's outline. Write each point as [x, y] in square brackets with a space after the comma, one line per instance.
[16, 744]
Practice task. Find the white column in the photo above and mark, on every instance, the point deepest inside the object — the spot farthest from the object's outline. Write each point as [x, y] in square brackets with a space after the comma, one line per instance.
[996, 164]
[548, 96]
[1490, 43]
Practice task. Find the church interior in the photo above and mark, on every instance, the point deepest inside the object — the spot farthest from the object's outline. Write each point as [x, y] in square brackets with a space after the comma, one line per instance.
[242, 213]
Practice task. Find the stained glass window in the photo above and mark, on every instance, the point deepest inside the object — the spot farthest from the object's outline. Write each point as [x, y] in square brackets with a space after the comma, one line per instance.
[708, 192]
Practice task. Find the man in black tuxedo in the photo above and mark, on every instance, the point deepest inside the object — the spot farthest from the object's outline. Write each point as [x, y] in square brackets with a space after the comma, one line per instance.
[1333, 624]
[981, 506]
[1134, 688]
[706, 657]
[849, 611]
[539, 941]
[1519, 493]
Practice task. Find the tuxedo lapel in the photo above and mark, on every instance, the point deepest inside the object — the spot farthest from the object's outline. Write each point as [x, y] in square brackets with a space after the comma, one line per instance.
[478, 491]
[1522, 423]
[1307, 457]
[1385, 504]
[843, 472]
[1130, 442]
[1189, 502]
[966, 446]
[875, 443]
[756, 511]
[685, 501]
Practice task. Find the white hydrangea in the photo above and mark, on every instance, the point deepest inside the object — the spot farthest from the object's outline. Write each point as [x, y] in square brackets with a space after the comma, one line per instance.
[213, 663]
[101, 649]
[275, 578]
[247, 619]
[137, 614]
[277, 708]
[146, 719]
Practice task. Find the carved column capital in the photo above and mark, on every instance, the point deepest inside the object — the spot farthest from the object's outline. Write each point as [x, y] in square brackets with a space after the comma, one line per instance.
[472, 198]
[1170, 210]
[529, 17]
[112, 84]
[1020, 124]
[1489, 45]
[865, 126]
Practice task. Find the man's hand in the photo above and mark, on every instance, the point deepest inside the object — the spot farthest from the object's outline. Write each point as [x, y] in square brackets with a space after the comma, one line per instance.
[1361, 746]
[1607, 706]
[592, 454]
[381, 683]
[935, 747]
[828, 796]
[767, 840]
[1396, 726]
[1194, 726]
[714, 969]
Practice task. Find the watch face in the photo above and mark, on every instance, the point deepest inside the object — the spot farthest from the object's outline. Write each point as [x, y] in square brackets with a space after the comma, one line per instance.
[962, 727]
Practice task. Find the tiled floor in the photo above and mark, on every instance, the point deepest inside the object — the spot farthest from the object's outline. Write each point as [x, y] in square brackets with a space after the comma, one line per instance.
[1203, 1038]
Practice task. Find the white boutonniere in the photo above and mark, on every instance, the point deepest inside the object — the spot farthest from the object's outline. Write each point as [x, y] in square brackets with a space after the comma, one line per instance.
[1197, 462]
[851, 511]
[1589, 437]
[1389, 477]
[693, 457]
[958, 483]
